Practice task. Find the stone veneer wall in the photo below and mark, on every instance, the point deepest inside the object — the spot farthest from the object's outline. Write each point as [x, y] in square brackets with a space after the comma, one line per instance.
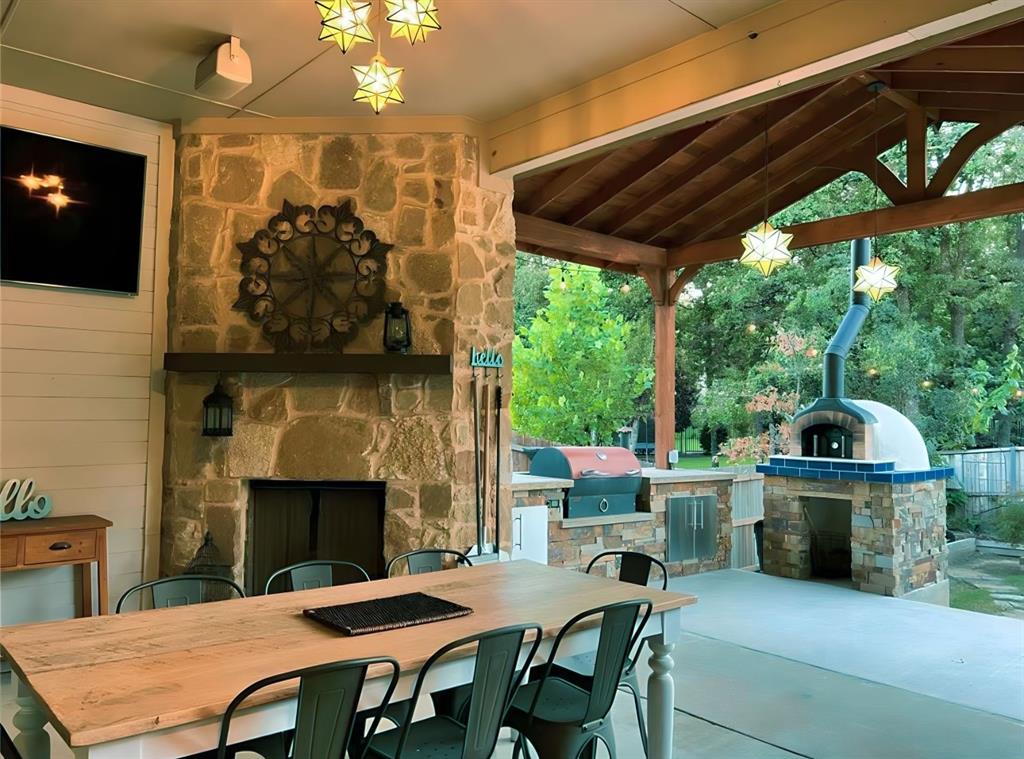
[898, 532]
[452, 267]
[572, 543]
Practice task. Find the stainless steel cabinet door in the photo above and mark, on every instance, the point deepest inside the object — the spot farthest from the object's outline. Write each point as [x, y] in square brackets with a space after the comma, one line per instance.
[692, 527]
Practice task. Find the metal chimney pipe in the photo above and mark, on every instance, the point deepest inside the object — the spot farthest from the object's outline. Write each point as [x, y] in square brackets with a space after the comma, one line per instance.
[833, 380]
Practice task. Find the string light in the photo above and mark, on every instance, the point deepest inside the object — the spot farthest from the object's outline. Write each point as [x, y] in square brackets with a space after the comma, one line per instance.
[58, 199]
[625, 288]
[345, 22]
[31, 181]
[412, 19]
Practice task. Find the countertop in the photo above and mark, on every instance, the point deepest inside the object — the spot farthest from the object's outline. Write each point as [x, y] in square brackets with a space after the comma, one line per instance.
[668, 476]
[523, 481]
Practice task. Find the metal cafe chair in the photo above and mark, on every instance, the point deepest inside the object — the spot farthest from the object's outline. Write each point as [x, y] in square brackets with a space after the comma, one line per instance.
[306, 575]
[324, 718]
[426, 560]
[562, 718]
[635, 568]
[473, 733]
[183, 590]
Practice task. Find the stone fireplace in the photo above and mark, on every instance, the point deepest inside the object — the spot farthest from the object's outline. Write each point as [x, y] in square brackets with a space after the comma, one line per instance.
[452, 267]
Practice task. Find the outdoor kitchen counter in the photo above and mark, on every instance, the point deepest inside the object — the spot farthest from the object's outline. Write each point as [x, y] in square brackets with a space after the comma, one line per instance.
[522, 481]
[668, 476]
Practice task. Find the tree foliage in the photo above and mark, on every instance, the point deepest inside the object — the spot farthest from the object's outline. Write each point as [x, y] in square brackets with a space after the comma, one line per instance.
[574, 378]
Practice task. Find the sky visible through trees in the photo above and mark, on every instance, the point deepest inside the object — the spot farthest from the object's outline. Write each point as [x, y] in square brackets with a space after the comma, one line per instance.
[941, 349]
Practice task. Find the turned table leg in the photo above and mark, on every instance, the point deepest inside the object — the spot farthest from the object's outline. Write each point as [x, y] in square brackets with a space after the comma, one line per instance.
[661, 696]
[32, 739]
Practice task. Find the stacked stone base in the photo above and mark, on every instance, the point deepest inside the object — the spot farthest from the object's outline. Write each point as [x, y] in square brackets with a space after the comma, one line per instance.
[898, 531]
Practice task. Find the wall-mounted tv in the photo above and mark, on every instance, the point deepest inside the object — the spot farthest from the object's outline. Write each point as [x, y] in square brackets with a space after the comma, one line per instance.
[70, 213]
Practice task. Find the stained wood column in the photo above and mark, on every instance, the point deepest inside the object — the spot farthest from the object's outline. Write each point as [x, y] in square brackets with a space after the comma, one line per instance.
[662, 283]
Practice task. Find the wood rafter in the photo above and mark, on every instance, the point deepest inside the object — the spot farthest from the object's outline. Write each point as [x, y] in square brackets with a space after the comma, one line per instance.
[971, 101]
[974, 83]
[965, 147]
[585, 244]
[961, 60]
[922, 214]
[565, 179]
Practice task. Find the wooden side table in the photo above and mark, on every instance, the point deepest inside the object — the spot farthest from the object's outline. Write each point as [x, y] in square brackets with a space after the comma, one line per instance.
[60, 541]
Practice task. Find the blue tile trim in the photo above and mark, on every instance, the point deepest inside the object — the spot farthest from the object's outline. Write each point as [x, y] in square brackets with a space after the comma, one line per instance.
[851, 472]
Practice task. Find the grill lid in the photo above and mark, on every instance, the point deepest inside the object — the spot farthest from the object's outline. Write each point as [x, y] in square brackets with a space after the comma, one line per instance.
[584, 462]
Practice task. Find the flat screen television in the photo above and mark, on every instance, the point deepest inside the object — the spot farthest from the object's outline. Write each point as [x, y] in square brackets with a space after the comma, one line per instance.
[70, 213]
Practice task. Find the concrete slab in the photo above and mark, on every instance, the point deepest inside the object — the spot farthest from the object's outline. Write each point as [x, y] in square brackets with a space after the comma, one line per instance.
[975, 660]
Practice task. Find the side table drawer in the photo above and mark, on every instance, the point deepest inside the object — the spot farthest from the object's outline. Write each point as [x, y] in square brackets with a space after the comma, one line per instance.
[58, 547]
[8, 552]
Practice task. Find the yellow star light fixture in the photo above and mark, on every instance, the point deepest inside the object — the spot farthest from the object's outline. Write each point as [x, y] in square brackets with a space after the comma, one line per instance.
[764, 248]
[876, 279]
[412, 19]
[345, 21]
[377, 84]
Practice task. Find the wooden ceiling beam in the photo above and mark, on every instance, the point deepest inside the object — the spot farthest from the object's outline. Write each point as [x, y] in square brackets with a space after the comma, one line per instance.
[564, 180]
[962, 60]
[723, 206]
[975, 83]
[934, 212]
[1005, 36]
[965, 147]
[778, 113]
[908, 101]
[972, 101]
[664, 150]
[958, 114]
[582, 242]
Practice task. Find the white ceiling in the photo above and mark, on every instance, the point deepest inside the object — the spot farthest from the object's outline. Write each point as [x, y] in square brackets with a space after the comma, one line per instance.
[490, 58]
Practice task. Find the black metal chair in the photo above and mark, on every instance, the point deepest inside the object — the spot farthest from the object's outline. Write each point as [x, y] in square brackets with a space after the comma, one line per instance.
[315, 574]
[426, 560]
[564, 719]
[324, 718]
[473, 733]
[634, 568]
[183, 590]
[7, 748]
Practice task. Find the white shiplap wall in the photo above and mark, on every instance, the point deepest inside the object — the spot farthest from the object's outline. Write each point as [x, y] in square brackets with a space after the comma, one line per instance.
[81, 381]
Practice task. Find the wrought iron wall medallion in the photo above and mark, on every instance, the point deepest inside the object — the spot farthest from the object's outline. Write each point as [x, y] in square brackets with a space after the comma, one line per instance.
[312, 277]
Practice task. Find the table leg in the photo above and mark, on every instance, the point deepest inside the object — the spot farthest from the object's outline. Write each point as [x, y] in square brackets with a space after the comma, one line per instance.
[32, 739]
[660, 699]
[85, 583]
[101, 572]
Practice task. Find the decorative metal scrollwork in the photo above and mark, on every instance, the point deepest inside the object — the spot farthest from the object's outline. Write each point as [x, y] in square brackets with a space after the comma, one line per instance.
[312, 277]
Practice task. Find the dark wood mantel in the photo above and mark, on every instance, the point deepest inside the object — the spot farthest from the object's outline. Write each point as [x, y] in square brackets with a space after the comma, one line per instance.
[306, 363]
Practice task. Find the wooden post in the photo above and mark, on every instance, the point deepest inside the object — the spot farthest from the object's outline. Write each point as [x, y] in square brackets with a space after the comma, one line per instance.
[662, 283]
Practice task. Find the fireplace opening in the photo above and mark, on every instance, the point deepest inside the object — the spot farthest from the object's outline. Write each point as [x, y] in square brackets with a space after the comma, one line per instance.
[292, 521]
[829, 525]
[827, 441]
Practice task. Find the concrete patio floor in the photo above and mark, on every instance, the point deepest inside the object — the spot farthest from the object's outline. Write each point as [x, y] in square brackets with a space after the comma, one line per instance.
[770, 668]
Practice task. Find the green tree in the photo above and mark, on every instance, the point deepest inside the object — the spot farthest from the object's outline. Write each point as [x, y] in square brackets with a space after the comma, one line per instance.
[573, 380]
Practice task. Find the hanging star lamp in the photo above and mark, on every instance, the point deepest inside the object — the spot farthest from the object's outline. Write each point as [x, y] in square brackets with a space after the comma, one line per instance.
[876, 279]
[412, 19]
[377, 83]
[766, 248]
[345, 22]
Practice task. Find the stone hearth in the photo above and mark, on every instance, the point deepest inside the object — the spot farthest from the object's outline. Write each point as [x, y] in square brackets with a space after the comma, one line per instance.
[452, 267]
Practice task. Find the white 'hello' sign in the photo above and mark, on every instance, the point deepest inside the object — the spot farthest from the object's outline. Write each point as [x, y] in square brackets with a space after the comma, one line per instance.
[17, 501]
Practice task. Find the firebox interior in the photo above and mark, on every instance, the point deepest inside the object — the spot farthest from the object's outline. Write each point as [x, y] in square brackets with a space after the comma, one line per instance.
[827, 440]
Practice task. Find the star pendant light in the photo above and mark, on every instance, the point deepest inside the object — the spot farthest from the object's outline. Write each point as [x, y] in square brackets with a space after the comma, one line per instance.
[378, 83]
[876, 279]
[345, 21]
[764, 248]
[412, 19]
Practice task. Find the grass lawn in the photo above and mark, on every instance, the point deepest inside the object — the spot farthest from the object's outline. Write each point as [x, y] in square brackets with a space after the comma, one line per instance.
[963, 595]
[1016, 581]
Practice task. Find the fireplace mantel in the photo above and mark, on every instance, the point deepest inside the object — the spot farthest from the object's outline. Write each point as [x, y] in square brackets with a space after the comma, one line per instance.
[308, 363]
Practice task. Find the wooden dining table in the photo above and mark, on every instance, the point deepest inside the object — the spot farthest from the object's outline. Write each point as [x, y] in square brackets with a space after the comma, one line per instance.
[154, 684]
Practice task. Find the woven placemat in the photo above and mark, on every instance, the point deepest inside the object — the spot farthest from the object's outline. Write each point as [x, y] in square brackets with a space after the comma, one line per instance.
[380, 614]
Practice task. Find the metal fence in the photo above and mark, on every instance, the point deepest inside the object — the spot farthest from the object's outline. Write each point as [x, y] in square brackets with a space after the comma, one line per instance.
[989, 471]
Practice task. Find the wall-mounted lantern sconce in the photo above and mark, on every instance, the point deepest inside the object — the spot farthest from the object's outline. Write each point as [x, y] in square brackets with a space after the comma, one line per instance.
[218, 413]
[397, 329]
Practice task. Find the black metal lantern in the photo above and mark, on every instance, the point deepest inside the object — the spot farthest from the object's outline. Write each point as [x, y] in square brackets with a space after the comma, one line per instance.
[218, 413]
[397, 330]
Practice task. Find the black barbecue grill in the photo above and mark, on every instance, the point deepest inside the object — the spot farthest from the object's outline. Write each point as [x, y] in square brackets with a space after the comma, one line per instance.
[606, 479]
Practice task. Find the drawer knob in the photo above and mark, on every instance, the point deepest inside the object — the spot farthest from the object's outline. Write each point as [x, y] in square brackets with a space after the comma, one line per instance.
[60, 545]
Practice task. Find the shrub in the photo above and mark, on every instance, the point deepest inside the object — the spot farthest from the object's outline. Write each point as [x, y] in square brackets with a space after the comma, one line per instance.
[1010, 522]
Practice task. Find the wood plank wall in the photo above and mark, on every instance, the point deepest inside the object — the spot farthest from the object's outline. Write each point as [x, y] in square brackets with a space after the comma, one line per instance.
[81, 381]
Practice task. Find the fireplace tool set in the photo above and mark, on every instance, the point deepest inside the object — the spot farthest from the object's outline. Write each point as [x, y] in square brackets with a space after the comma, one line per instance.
[487, 402]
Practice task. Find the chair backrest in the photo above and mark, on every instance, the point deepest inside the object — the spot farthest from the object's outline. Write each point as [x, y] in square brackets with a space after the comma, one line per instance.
[328, 700]
[620, 631]
[496, 676]
[183, 590]
[315, 574]
[426, 560]
[634, 567]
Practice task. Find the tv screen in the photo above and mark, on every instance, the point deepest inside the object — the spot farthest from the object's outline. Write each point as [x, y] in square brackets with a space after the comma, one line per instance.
[70, 213]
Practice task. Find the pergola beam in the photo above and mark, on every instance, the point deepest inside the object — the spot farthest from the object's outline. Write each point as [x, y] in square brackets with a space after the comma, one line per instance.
[585, 244]
[981, 204]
